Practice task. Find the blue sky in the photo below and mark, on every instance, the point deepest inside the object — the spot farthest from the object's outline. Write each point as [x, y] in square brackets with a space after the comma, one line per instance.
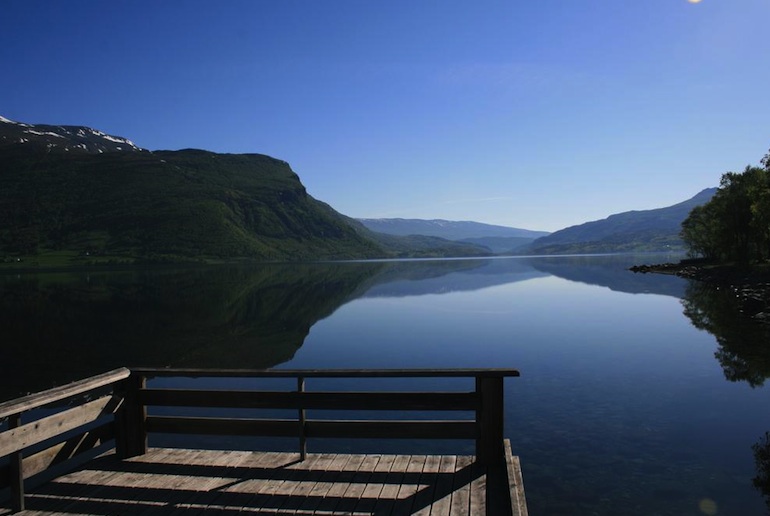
[538, 114]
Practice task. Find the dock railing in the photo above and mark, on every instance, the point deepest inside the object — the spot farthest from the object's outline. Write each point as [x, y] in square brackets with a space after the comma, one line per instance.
[39, 445]
[122, 414]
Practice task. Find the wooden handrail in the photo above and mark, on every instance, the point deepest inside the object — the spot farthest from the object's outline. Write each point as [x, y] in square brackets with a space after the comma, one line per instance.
[39, 399]
[122, 414]
[329, 373]
[92, 418]
[301, 400]
[485, 402]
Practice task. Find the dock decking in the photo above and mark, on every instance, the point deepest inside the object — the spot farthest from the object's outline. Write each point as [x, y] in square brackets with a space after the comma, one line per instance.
[88, 452]
[186, 482]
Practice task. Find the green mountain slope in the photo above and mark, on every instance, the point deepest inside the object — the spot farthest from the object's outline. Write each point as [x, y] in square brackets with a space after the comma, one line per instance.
[167, 205]
[648, 230]
[73, 195]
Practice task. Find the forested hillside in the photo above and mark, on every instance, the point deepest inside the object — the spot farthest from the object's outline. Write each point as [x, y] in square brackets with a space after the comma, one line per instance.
[166, 205]
[735, 224]
[71, 195]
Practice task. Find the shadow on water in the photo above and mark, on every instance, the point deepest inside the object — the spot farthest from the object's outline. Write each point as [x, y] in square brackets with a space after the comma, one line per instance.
[743, 352]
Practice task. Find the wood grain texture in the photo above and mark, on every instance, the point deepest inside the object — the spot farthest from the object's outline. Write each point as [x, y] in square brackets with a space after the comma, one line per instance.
[59, 393]
[191, 482]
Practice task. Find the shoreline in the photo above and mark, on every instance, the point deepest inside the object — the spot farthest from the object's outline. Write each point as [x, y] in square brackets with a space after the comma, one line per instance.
[751, 284]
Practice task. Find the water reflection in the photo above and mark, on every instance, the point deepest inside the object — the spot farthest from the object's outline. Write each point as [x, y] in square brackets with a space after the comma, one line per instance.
[620, 409]
[761, 482]
[743, 352]
[58, 328]
[611, 271]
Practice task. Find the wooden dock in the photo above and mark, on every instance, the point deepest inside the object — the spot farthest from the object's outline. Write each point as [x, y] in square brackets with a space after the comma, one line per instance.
[118, 474]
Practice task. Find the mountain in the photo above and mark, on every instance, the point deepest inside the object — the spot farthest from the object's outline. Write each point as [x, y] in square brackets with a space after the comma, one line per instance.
[72, 195]
[648, 230]
[420, 246]
[497, 239]
[60, 138]
[448, 229]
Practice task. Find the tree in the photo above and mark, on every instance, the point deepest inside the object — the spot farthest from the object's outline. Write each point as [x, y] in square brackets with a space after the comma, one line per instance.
[735, 224]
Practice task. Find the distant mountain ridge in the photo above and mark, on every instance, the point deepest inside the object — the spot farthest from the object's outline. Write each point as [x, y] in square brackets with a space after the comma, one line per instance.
[451, 230]
[61, 138]
[90, 197]
[645, 230]
[497, 239]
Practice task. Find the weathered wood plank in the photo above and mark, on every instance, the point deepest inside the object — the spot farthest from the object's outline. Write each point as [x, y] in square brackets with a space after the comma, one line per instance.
[59, 393]
[352, 495]
[92, 490]
[410, 485]
[268, 483]
[454, 401]
[296, 485]
[478, 491]
[331, 469]
[461, 487]
[425, 492]
[442, 496]
[391, 485]
[515, 482]
[330, 373]
[373, 488]
[336, 493]
[354, 429]
[38, 431]
[263, 487]
[246, 486]
[216, 495]
[389, 429]
[67, 450]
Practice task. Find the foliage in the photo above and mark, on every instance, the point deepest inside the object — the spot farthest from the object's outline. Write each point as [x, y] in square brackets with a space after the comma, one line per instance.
[166, 205]
[735, 224]
[761, 482]
[175, 206]
[742, 352]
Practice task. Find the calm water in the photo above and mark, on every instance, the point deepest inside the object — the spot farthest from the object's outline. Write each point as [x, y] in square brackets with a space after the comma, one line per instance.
[639, 394]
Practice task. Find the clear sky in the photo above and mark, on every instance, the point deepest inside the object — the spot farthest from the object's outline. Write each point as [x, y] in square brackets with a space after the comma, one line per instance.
[537, 114]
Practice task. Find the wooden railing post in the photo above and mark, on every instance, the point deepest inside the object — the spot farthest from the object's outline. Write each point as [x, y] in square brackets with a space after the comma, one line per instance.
[490, 418]
[302, 436]
[131, 419]
[16, 472]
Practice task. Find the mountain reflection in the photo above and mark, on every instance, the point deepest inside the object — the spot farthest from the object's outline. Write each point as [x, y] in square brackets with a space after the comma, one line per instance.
[611, 271]
[61, 327]
[743, 352]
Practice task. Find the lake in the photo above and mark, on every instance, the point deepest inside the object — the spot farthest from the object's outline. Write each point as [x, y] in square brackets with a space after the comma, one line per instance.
[639, 394]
